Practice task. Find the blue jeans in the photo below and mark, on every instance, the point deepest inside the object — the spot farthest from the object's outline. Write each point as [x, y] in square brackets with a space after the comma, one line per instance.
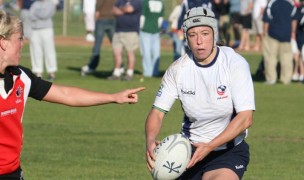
[150, 49]
[101, 27]
[177, 46]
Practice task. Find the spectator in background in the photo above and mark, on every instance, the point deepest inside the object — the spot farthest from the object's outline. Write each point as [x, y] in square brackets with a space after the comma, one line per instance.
[104, 24]
[89, 18]
[222, 7]
[126, 36]
[24, 6]
[42, 39]
[235, 21]
[177, 38]
[1, 5]
[298, 71]
[279, 28]
[246, 22]
[151, 20]
[257, 22]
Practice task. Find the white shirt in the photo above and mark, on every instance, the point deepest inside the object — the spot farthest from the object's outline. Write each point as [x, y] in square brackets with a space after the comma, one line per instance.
[173, 17]
[210, 95]
[257, 8]
[89, 6]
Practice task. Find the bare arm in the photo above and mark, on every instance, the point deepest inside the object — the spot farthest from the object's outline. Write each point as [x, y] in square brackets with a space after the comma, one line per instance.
[265, 28]
[73, 96]
[239, 124]
[293, 29]
[19, 4]
[153, 126]
[117, 11]
[128, 8]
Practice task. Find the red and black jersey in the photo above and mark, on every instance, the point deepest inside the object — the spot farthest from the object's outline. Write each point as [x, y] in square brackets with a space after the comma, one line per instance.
[13, 98]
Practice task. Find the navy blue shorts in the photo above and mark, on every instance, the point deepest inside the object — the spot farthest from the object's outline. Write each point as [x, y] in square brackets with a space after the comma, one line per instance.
[236, 159]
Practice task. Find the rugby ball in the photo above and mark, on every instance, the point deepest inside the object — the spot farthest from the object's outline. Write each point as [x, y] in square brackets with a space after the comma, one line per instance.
[172, 157]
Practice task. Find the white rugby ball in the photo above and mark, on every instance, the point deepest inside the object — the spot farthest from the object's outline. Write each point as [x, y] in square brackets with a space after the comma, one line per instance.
[172, 157]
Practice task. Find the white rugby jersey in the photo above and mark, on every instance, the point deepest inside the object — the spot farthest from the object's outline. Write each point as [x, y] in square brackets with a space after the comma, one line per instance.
[210, 95]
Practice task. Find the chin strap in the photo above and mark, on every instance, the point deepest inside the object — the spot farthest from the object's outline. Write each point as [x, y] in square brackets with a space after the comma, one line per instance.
[8, 77]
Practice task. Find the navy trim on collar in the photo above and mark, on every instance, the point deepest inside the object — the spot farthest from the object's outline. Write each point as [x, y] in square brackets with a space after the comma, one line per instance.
[207, 65]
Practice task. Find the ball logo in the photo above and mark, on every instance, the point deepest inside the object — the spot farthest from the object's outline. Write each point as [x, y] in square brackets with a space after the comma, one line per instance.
[171, 167]
[221, 90]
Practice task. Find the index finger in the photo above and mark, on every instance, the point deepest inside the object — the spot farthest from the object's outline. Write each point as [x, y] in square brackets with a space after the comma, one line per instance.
[136, 90]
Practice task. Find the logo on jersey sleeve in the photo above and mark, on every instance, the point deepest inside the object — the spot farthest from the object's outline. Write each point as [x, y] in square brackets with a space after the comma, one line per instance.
[160, 90]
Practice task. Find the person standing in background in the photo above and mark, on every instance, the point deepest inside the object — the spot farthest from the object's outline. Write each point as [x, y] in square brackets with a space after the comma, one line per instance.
[42, 42]
[257, 23]
[89, 18]
[298, 71]
[127, 14]
[178, 48]
[150, 23]
[24, 6]
[104, 24]
[222, 7]
[246, 22]
[235, 21]
[279, 28]
[1, 5]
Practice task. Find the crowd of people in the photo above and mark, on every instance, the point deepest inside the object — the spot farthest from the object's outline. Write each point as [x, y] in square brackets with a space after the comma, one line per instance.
[130, 25]
[245, 25]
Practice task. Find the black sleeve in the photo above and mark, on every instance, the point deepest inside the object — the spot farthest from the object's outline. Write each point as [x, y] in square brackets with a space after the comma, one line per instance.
[39, 87]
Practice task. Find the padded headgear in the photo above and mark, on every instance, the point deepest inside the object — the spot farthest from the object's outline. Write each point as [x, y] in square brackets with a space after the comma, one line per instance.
[199, 16]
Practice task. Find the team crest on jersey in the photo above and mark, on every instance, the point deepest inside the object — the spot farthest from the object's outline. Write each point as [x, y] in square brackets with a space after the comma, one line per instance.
[221, 90]
[160, 90]
[19, 91]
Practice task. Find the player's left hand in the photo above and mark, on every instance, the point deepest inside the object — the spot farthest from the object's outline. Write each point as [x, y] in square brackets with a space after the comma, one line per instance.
[202, 150]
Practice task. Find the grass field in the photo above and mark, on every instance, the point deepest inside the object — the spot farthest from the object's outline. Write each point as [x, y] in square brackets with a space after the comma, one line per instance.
[108, 142]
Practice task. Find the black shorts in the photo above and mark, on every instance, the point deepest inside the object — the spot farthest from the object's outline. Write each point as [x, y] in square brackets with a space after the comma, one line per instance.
[16, 175]
[246, 21]
[235, 18]
[236, 159]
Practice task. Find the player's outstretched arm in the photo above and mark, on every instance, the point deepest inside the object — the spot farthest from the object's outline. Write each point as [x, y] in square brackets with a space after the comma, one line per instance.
[73, 96]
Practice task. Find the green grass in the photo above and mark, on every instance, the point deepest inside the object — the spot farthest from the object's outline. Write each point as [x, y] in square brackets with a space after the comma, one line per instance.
[108, 142]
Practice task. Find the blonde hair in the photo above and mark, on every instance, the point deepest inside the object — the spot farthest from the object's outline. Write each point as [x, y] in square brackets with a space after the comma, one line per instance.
[9, 25]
